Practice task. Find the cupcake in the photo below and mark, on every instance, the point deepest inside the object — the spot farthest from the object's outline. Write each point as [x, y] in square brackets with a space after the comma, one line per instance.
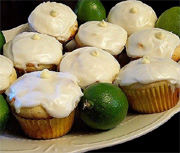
[7, 73]
[90, 65]
[132, 15]
[153, 42]
[31, 51]
[54, 19]
[150, 84]
[107, 36]
[44, 103]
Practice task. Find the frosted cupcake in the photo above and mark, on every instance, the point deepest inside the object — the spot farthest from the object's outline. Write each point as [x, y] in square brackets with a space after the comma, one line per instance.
[7, 73]
[132, 15]
[153, 42]
[107, 36]
[90, 65]
[44, 103]
[54, 19]
[31, 51]
[150, 84]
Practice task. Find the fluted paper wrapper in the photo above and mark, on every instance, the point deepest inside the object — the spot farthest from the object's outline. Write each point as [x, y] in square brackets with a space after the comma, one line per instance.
[46, 128]
[152, 98]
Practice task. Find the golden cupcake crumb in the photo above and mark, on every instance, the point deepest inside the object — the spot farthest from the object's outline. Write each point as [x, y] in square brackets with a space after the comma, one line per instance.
[140, 45]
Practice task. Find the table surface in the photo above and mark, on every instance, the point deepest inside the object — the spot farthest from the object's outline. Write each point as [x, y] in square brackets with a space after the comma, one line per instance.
[166, 137]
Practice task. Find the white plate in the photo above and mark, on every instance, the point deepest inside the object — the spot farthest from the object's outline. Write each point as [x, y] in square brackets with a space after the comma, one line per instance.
[81, 138]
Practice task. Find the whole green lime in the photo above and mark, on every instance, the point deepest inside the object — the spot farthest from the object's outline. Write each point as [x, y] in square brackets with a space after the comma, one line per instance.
[103, 106]
[90, 10]
[4, 113]
[170, 20]
[2, 41]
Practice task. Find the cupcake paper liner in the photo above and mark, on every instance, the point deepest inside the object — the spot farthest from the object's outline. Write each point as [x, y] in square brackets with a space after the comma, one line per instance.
[46, 128]
[159, 97]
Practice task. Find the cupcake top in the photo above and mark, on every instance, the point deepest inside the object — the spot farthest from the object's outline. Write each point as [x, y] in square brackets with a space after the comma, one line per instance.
[147, 70]
[52, 18]
[58, 93]
[35, 48]
[90, 65]
[132, 15]
[104, 35]
[6, 69]
[153, 42]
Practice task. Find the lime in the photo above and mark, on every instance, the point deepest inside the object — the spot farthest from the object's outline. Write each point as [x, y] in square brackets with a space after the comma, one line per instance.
[103, 106]
[170, 20]
[90, 10]
[4, 113]
[2, 41]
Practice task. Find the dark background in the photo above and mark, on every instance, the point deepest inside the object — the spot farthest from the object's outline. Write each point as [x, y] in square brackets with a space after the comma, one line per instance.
[164, 139]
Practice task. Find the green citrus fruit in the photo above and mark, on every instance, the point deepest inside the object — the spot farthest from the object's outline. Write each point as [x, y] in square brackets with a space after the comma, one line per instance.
[2, 41]
[4, 113]
[170, 20]
[90, 10]
[103, 106]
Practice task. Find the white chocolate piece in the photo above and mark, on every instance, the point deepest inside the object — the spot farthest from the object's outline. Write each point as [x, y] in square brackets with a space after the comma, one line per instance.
[53, 13]
[145, 60]
[36, 37]
[94, 53]
[159, 35]
[102, 24]
[133, 10]
[45, 74]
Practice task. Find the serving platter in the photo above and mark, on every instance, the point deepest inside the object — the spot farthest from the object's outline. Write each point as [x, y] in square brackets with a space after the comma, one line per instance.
[81, 138]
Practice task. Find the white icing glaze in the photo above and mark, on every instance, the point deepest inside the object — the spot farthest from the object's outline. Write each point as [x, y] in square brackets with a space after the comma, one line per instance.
[90, 65]
[24, 49]
[52, 18]
[107, 36]
[6, 69]
[59, 94]
[153, 42]
[132, 15]
[157, 69]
